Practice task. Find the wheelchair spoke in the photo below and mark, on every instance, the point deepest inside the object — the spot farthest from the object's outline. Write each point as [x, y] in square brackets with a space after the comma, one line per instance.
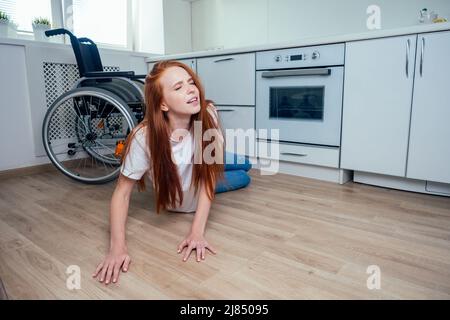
[104, 107]
[109, 112]
[98, 142]
[86, 129]
[79, 163]
[104, 165]
[88, 106]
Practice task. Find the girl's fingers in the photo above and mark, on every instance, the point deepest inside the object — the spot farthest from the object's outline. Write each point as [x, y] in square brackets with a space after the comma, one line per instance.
[109, 273]
[99, 267]
[211, 248]
[116, 272]
[182, 245]
[126, 264]
[104, 270]
[203, 253]
[198, 251]
[188, 252]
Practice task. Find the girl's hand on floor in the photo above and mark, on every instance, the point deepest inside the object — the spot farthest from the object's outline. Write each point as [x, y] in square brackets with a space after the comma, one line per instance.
[197, 242]
[109, 269]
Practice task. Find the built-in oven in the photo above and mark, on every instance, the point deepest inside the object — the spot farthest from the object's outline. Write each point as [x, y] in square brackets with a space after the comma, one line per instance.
[299, 92]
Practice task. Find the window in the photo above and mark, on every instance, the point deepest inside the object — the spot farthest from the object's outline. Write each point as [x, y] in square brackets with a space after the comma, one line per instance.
[103, 21]
[22, 12]
[120, 24]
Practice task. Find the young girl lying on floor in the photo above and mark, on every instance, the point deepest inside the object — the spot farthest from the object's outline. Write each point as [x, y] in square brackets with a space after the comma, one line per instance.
[180, 147]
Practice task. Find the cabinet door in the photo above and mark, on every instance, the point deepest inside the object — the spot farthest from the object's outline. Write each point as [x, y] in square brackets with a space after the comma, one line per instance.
[238, 118]
[377, 104]
[429, 144]
[229, 80]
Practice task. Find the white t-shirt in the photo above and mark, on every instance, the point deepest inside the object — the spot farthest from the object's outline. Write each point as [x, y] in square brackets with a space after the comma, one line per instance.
[138, 162]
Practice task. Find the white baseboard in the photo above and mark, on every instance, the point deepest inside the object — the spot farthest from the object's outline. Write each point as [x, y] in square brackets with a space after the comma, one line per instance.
[401, 183]
[336, 175]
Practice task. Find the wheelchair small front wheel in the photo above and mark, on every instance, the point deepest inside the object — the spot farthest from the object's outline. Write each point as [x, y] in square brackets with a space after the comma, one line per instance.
[81, 130]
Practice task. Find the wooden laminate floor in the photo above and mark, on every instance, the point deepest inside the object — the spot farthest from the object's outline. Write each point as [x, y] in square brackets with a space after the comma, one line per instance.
[283, 237]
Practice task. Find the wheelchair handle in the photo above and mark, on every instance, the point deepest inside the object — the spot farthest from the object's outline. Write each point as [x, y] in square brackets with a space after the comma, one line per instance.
[56, 32]
[86, 40]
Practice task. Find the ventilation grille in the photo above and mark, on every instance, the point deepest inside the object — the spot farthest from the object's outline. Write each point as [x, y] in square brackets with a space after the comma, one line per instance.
[60, 78]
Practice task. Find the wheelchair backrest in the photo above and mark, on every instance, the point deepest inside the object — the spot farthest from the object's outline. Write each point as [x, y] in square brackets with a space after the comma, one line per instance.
[87, 55]
[86, 51]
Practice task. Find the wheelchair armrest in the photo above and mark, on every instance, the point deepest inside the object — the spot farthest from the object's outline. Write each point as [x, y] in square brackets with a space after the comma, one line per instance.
[126, 74]
[139, 76]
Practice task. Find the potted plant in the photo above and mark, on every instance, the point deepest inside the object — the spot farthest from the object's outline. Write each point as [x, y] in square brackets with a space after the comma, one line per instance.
[40, 25]
[4, 24]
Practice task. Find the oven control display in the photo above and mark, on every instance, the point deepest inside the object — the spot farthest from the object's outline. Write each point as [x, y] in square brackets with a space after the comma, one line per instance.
[296, 57]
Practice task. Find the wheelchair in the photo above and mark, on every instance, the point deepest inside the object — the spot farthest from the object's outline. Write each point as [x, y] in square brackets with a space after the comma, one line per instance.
[85, 128]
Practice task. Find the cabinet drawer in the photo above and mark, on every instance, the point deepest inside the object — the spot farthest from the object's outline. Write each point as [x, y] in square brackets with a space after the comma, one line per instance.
[320, 156]
[238, 118]
[229, 80]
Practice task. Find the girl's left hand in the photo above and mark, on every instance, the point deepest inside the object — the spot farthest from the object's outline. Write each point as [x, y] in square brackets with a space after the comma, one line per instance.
[197, 242]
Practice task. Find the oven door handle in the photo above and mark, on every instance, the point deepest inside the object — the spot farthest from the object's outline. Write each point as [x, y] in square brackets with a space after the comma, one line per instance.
[295, 73]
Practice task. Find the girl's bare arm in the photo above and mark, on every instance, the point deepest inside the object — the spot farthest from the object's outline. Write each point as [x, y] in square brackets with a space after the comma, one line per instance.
[195, 239]
[117, 258]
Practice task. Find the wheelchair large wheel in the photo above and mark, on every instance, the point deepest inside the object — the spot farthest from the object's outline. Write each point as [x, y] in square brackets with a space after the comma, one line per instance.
[81, 130]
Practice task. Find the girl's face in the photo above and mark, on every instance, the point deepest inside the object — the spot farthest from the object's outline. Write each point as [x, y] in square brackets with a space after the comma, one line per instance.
[180, 94]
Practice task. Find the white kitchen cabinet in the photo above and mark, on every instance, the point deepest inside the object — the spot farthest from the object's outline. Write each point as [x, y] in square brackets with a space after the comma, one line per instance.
[229, 80]
[234, 118]
[192, 63]
[15, 108]
[378, 88]
[429, 144]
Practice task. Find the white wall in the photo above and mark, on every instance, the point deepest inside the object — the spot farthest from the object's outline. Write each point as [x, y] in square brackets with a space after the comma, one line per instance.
[149, 26]
[162, 26]
[177, 26]
[237, 23]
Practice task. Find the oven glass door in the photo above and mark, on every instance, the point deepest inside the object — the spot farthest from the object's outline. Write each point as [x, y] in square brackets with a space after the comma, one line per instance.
[304, 104]
[299, 103]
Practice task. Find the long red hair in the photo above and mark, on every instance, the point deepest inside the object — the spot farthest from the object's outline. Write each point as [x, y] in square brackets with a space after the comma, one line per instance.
[166, 180]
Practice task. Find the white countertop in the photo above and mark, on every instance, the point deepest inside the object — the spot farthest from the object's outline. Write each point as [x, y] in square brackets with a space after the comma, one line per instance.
[311, 41]
[56, 44]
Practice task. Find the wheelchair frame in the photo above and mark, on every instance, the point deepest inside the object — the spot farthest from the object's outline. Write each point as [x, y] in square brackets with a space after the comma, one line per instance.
[80, 108]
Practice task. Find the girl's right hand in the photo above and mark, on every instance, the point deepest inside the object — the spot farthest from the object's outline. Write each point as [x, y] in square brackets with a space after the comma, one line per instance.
[117, 259]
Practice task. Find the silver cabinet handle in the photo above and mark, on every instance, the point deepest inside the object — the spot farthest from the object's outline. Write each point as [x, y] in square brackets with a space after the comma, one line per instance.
[224, 59]
[408, 46]
[293, 154]
[422, 51]
[225, 110]
[300, 72]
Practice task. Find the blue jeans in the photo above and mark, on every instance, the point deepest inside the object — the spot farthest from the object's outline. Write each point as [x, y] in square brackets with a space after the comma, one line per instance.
[235, 175]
